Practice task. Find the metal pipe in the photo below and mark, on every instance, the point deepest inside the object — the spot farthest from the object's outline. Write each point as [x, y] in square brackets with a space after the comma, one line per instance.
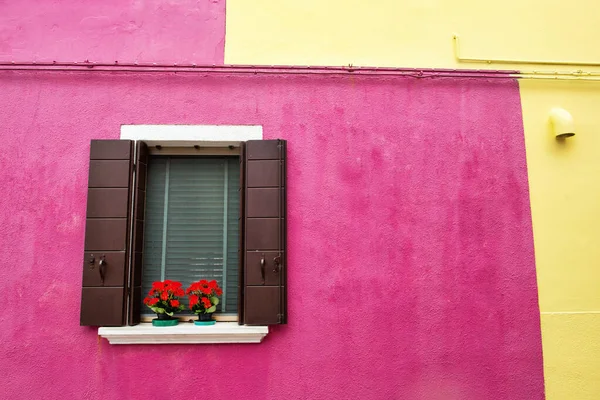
[260, 71]
[295, 70]
[228, 68]
[509, 61]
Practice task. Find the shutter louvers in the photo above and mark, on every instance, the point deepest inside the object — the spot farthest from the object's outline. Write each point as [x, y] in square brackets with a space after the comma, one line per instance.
[264, 233]
[139, 207]
[107, 234]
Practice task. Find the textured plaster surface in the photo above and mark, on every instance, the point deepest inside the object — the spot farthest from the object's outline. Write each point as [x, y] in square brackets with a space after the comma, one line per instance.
[411, 261]
[175, 31]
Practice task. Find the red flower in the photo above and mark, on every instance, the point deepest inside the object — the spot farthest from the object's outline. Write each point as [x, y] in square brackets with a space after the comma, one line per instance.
[164, 295]
[212, 284]
[206, 290]
[193, 300]
[206, 302]
[193, 287]
[219, 291]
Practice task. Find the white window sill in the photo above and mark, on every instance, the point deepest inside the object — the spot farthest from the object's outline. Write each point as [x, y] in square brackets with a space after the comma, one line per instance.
[184, 333]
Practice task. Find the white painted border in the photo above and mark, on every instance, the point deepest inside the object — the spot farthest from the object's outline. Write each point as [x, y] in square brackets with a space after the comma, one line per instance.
[188, 135]
[184, 333]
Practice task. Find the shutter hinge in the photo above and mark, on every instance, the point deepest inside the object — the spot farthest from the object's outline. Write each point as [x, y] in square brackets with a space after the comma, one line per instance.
[134, 167]
[279, 318]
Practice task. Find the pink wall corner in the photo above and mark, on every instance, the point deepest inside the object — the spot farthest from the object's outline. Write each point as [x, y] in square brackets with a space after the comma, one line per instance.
[183, 31]
[411, 263]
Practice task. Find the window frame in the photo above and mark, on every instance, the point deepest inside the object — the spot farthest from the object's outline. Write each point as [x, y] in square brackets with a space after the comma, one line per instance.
[168, 148]
[198, 140]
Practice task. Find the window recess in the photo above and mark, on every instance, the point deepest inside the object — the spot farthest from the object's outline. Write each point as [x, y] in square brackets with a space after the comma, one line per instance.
[192, 223]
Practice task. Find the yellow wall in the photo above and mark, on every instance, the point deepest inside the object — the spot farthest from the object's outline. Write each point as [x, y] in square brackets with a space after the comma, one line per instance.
[408, 33]
[564, 181]
[564, 178]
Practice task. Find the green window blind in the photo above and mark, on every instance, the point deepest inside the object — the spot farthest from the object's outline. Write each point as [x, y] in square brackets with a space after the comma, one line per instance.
[191, 223]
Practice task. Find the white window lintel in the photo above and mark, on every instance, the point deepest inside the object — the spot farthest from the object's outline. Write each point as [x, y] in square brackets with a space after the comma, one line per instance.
[189, 135]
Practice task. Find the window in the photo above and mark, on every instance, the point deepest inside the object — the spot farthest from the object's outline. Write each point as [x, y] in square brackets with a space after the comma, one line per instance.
[191, 228]
[173, 215]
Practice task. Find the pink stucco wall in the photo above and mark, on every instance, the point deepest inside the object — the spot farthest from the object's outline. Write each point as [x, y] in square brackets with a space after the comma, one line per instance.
[174, 31]
[411, 269]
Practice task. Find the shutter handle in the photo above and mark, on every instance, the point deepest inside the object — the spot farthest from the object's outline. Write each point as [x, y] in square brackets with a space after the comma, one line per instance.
[276, 264]
[92, 261]
[102, 268]
[262, 268]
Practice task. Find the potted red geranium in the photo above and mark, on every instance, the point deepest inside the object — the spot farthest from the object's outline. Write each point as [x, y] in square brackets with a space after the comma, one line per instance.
[204, 299]
[163, 299]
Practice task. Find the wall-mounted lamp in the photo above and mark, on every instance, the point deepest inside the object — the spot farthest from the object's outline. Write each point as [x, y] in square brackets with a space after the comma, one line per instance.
[562, 123]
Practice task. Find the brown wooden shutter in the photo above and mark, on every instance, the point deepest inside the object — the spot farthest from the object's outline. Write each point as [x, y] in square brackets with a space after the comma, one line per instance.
[107, 233]
[264, 233]
[139, 207]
